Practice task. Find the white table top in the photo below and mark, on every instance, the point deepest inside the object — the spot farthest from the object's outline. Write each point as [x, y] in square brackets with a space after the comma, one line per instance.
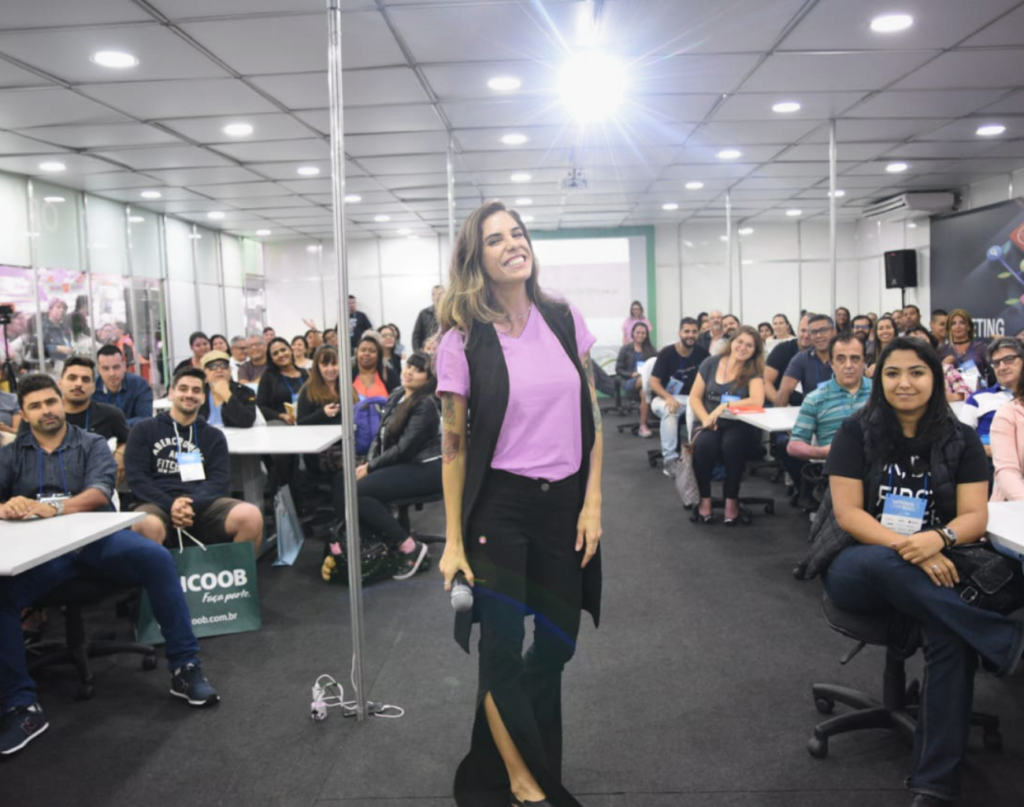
[27, 544]
[772, 419]
[161, 405]
[956, 406]
[1006, 527]
[282, 439]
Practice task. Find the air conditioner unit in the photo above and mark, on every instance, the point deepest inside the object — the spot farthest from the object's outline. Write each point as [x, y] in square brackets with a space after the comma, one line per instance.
[911, 206]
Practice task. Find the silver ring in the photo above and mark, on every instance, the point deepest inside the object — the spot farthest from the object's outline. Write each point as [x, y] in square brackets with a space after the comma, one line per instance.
[936, 568]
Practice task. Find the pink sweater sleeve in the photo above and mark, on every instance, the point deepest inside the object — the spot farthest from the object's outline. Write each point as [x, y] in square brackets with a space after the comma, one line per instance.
[1007, 441]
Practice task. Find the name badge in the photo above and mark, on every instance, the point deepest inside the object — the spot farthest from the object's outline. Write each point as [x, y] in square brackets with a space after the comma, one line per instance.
[190, 466]
[675, 386]
[640, 366]
[903, 514]
[52, 498]
[728, 399]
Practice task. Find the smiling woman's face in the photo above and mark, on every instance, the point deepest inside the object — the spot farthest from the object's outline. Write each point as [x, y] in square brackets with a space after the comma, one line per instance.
[506, 255]
[907, 381]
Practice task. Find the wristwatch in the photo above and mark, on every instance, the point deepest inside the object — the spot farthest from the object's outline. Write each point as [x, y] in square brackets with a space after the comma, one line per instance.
[948, 536]
[58, 506]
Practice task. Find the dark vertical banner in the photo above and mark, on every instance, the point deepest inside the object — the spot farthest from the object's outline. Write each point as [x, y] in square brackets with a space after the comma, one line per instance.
[977, 263]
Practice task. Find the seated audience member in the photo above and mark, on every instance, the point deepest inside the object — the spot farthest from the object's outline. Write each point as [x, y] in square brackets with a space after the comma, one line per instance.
[227, 403]
[200, 344]
[885, 332]
[280, 384]
[1019, 335]
[957, 388]
[252, 370]
[10, 413]
[319, 404]
[938, 325]
[77, 385]
[714, 331]
[809, 368]
[358, 323]
[370, 377]
[268, 334]
[314, 340]
[911, 317]
[825, 408]
[730, 325]
[965, 352]
[861, 328]
[842, 321]
[636, 315]
[50, 470]
[219, 342]
[426, 321]
[764, 330]
[1006, 358]
[192, 496]
[1007, 445]
[906, 443]
[781, 328]
[671, 382]
[629, 367]
[404, 462]
[301, 353]
[331, 338]
[780, 357]
[239, 355]
[116, 387]
[897, 317]
[733, 378]
[392, 356]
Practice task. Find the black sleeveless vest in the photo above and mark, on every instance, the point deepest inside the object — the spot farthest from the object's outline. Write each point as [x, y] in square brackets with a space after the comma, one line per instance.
[488, 401]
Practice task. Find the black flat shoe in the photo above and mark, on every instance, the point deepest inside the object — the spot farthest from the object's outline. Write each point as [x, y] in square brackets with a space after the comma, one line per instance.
[514, 802]
[697, 518]
[731, 522]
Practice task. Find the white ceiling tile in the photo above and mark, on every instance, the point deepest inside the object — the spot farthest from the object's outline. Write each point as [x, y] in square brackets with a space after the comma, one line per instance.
[742, 133]
[676, 186]
[291, 210]
[690, 72]
[1014, 149]
[151, 100]
[21, 109]
[193, 9]
[241, 190]
[877, 168]
[452, 82]
[117, 179]
[364, 120]
[776, 183]
[659, 109]
[102, 135]
[966, 128]
[76, 165]
[810, 152]
[66, 53]
[298, 90]
[758, 106]
[709, 154]
[741, 194]
[170, 195]
[311, 148]
[1009, 104]
[293, 44]
[365, 87]
[968, 68]
[707, 173]
[924, 103]
[289, 170]
[795, 169]
[203, 176]
[791, 72]
[308, 186]
[269, 202]
[164, 157]
[842, 25]
[382, 144]
[939, 149]
[1001, 32]
[879, 129]
[47, 13]
[415, 164]
[16, 144]
[519, 112]
[265, 127]
[11, 76]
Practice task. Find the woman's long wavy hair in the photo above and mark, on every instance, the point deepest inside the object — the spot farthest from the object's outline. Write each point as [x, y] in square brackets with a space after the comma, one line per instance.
[318, 391]
[469, 298]
[893, 445]
[752, 367]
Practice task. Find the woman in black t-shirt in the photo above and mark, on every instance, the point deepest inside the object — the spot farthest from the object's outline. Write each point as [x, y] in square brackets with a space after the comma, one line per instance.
[903, 447]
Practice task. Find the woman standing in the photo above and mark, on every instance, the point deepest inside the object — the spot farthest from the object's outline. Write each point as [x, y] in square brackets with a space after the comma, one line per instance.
[629, 368]
[907, 444]
[636, 314]
[300, 352]
[733, 378]
[280, 383]
[392, 355]
[522, 499]
[885, 332]
[842, 319]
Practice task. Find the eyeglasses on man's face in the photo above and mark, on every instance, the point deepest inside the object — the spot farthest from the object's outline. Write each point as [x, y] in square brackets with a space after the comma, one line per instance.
[1007, 360]
[820, 331]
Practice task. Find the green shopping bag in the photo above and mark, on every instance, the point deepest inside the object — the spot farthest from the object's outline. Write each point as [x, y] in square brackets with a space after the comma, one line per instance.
[220, 588]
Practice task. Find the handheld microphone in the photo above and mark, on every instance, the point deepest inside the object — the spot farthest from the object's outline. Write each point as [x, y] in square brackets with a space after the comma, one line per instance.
[462, 594]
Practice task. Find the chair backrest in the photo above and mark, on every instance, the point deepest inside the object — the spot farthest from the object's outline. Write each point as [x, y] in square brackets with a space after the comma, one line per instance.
[645, 375]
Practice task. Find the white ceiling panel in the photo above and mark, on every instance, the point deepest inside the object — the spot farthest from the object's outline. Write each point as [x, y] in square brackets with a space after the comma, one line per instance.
[66, 53]
[102, 135]
[75, 165]
[419, 181]
[653, 109]
[313, 149]
[366, 87]
[21, 109]
[267, 203]
[524, 112]
[743, 133]
[241, 190]
[842, 25]
[969, 68]
[151, 100]
[939, 149]
[52, 13]
[878, 129]
[811, 152]
[965, 129]
[709, 154]
[758, 106]
[452, 82]
[690, 72]
[12, 76]
[411, 164]
[925, 103]
[289, 170]
[1005, 31]
[810, 169]
[16, 144]
[164, 157]
[877, 168]
[677, 187]
[295, 44]
[170, 195]
[202, 176]
[307, 186]
[292, 211]
[775, 183]
[706, 172]
[1011, 104]
[117, 179]
[265, 127]
[190, 9]
[824, 72]
[1014, 149]
[382, 144]
[364, 120]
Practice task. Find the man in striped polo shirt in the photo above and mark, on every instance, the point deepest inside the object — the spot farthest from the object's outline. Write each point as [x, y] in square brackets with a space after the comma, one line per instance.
[1006, 358]
[826, 407]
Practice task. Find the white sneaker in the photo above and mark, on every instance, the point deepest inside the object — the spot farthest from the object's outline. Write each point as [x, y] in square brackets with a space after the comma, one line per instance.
[669, 468]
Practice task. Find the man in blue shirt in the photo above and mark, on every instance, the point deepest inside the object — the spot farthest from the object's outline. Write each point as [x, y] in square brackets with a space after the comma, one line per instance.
[1006, 358]
[128, 392]
[54, 469]
[810, 368]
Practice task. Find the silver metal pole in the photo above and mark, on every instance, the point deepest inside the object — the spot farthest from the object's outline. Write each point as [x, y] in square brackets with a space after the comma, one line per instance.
[195, 282]
[739, 272]
[133, 310]
[220, 283]
[355, 581]
[33, 260]
[833, 272]
[451, 192]
[728, 244]
[87, 260]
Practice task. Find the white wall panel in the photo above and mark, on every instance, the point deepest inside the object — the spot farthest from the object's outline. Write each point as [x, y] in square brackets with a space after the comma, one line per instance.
[211, 312]
[990, 191]
[179, 250]
[14, 244]
[769, 289]
[183, 318]
[234, 303]
[815, 292]
[231, 252]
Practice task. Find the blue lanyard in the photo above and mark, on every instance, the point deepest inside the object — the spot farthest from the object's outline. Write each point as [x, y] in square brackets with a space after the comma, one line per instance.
[63, 475]
[291, 389]
[87, 411]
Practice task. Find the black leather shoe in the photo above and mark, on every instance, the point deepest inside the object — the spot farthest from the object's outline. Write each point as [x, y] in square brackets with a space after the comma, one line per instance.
[926, 800]
[514, 802]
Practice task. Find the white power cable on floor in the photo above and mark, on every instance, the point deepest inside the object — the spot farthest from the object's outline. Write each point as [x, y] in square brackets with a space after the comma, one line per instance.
[323, 699]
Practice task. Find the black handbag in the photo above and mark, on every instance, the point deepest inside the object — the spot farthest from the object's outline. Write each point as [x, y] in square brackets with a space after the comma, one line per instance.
[988, 579]
[376, 561]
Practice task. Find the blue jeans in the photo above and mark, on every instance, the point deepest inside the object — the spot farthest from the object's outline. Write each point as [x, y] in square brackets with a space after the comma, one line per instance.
[872, 579]
[122, 557]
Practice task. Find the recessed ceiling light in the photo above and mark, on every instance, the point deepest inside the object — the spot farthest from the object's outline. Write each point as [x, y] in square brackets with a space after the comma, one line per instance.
[592, 85]
[528, 219]
[352, 198]
[504, 83]
[54, 200]
[896, 168]
[523, 201]
[745, 231]
[307, 171]
[238, 129]
[729, 154]
[263, 232]
[520, 177]
[786, 106]
[911, 225]
[723, 238]
[991, 130]
[216, 215]
[839, 194]
[694, 186]
[52, 168]
[194, 236]
[135, 219]
[151, 194]
[313, 248]
[414, 237]
[890, 23]
[747, 262]
[514, 139]
[114, 58]
[794, 212]
[670, 206]
[97, 246]
[382, 218]
[404, 231]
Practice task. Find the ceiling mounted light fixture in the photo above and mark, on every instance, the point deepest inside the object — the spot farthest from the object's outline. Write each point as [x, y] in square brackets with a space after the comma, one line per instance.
[504, 83]
[592, 85]
[523, 201]
[135, 219]
[352, 198]
[896, 168]
[313, 248]
[729, 154]
[380, 219]
[891, 23]
[405, 231]
[745, 231]
[307, 170]
[216, 215]
[839, 194]
[119, 60]
[54, 200]
[528, 219]
[694, 186]
[784, 107]
[990, 130]
[670, 206]
[262, 233]
[514, 139]
[52, 167]
[238, 129]
[521, 177]
[794, 213]
[151, 194]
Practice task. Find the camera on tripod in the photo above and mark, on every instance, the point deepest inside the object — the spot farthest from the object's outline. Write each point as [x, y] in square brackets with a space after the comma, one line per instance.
[6, 313]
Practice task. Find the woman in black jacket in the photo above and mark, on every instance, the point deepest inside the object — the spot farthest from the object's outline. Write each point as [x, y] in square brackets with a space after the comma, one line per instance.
[280, 382]
[404, 462]
[629, 368]
[319, 404]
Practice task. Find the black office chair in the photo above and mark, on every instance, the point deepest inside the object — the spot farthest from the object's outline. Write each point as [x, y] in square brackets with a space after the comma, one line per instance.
[417, 503]
[900, 636]
[75, 596]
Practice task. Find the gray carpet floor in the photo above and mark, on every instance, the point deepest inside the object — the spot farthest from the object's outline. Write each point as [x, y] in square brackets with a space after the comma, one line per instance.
[695, 692]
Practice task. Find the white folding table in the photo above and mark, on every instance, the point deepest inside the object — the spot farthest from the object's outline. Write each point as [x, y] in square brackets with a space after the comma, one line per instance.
[772, 419]
[1006, 527]
[27, 544]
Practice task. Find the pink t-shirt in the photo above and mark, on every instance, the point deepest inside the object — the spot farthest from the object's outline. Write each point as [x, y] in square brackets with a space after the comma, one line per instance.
[541, 434]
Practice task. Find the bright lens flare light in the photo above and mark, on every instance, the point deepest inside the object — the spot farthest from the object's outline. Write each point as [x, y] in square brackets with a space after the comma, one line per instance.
[891, 23]
[592, 85]
[238, 129]
[896, 168]
[786, 106]
[694, 186]
[670, 206]
[991, 130]
[114, 58]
